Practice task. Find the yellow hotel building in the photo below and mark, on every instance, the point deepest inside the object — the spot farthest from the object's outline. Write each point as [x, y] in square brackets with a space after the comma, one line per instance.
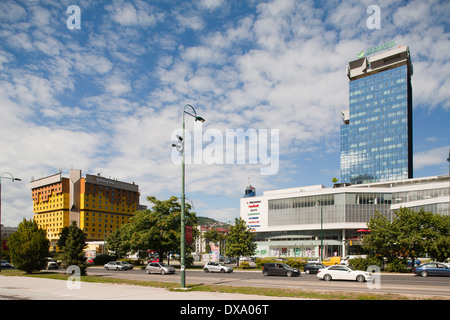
[98, 205]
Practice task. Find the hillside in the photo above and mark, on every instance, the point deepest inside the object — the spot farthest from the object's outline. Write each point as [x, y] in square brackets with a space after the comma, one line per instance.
[205, 221]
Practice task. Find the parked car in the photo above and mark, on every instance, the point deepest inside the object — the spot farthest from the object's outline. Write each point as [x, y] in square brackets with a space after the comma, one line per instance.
[432, 269]
[115, 265]
[279, 269]
[416, 263]
[127, 265]
[216, 267]
[339, 272]
[313, 267]
[5, 264]
[229, 260]
[52, 265]
[159, 267]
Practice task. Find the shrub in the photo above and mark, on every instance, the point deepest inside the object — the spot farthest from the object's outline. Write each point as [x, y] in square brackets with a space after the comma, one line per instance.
[365, 263]
[244, 265]
[260, 262]
[102, 259]
[397, 265]
[298, 264]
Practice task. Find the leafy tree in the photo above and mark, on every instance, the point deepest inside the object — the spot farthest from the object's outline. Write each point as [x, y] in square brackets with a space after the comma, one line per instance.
[73, 247]
[157, 229]
[240, 240]
[118, 241]
[29, 247]
[410, 234]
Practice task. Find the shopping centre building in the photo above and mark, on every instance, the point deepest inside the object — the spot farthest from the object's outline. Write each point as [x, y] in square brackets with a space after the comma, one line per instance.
[297, 222]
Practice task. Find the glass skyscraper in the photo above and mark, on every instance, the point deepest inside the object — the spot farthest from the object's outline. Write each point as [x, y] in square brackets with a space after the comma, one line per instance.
[376, 136]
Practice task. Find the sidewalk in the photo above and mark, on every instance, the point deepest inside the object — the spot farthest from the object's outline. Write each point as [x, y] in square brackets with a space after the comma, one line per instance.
[27, 288]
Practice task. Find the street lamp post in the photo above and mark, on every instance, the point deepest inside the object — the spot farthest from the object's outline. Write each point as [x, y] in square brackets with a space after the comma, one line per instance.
[183, 197]
[10, 176]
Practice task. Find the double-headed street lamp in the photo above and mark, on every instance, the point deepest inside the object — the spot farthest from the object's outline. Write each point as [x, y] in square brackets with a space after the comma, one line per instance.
[10, 176]
[183, 218]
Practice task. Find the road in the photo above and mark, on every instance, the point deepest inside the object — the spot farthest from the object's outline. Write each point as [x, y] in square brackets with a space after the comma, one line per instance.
[405, 284]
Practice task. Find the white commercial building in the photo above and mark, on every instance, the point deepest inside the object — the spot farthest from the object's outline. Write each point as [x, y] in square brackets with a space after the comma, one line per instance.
[298, 222]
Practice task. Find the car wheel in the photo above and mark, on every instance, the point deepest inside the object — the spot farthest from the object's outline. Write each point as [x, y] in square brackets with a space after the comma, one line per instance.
[206, 270]
[266, 273]
[327, 277]
[360, 278]
[424, 274]
[147, 271]
[222, 270]
[307, 271]
[289, 274]
[163, 272]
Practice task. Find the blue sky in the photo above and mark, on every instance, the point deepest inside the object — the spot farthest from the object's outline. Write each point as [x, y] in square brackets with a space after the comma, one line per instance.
[108, 97]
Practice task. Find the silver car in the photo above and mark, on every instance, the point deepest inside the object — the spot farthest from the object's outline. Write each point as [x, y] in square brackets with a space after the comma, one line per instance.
[159, 267]
[115, 265]
[216, 267]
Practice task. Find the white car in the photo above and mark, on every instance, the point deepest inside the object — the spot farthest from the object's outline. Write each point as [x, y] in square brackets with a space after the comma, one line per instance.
[339, 272]
[217, 267]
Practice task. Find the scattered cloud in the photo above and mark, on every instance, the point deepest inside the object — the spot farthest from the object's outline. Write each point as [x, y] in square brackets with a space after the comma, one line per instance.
[107, 98]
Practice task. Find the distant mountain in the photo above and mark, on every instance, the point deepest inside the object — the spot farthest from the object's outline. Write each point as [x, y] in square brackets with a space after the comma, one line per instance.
[205, 221]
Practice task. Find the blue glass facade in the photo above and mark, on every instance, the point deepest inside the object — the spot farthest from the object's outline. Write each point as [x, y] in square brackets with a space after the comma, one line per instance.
[376, 141]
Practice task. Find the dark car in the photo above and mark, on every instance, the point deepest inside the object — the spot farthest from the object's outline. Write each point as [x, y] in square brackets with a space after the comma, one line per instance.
[279, 269]
[5, 264]
[313, 267]
[432, 269]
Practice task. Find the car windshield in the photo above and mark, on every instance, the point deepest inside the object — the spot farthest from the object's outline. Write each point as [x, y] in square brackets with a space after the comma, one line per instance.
[163, 265]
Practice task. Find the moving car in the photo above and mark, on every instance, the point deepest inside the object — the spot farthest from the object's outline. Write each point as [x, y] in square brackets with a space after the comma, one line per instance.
[159, 267]
[279, 269]
[115, 265]
[432, 269]
[340, 272]
[332, 261]
[216, 267]
[313, 268]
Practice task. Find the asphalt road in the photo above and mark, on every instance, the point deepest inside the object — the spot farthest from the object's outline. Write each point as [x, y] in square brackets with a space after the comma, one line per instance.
[405, 284]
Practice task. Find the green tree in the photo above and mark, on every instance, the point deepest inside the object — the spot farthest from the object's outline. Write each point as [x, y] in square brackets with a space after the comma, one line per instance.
[118, 242]
[240, 240]
[410, 234]
[29, 247]
[157, 229]
[74, 244]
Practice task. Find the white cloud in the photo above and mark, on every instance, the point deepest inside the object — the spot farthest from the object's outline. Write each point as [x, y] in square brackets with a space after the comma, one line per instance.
[136, 13]
[211, 4]
[436, 156]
